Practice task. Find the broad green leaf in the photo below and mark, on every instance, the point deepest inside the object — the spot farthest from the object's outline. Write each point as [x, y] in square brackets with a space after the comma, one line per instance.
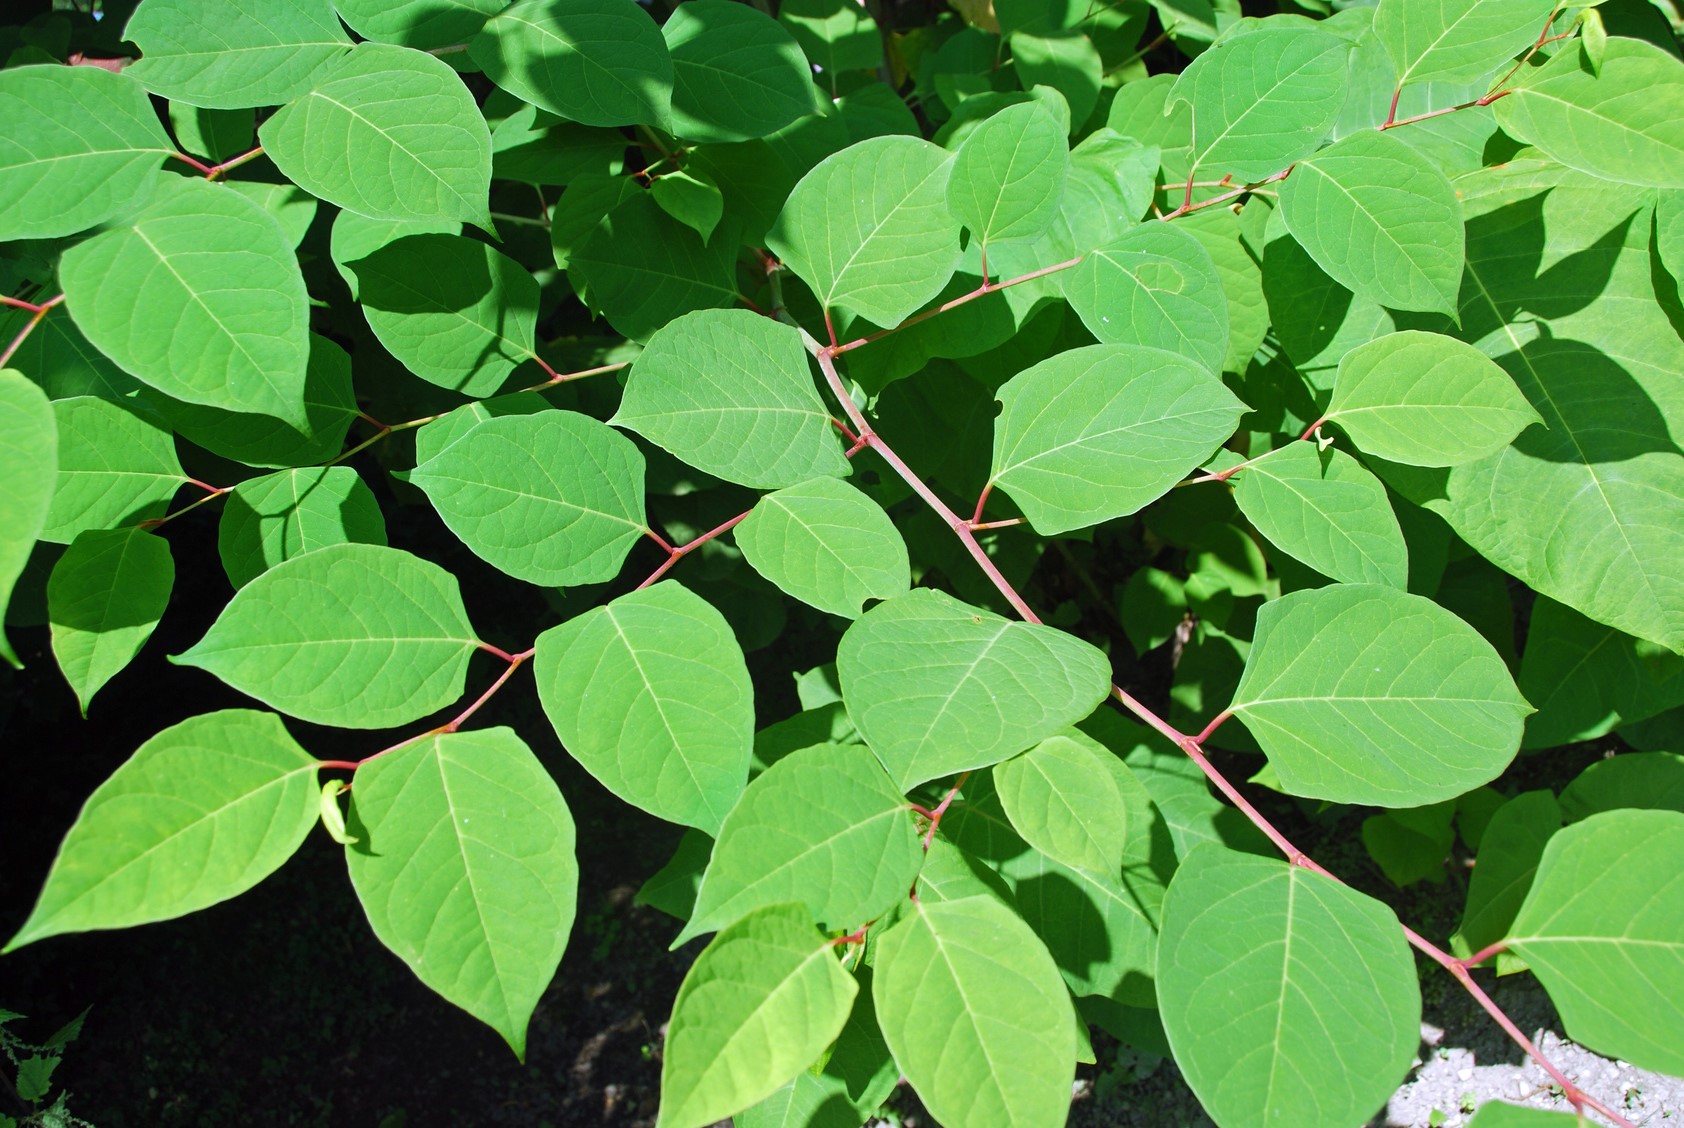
[936, 686]
[231, 54]
[1144, 111]
[466, 870]
[554, 498]
[850, 856]
[1067, 62]
[1585, 678]
[1153, 285]
[356, 237]
[1499, 1114]
[1008, 176]
[974, 1010]
[673, 887]
[198, 295]
[389, 133]
[456, 312]
[200, 813]
[355, 635]
[692, 198]
[29, 467]
[1669, 230]
[597, 62]
[60, 359]
[1062, 798]
[1425, 399]
[588, 200]
[1456, 40]
[1219, 230]
[444, 431]
[1411, 844]
[275, 517]
[106, 593]
[422, 24]
[1182, 795]
[115, 467]
[738, 75]
[1623, 124]
[1644, 780]
[1380, 219]
[759, 1005]
[1097, 432]
[644, 268]
[892, 249]
[650, 693]
[1603, 928]
[1509, 849]
[80, 144]
[1323, 509]
[827, 544]
[837, 35]
[292, 207]
[1262, 100]
[1360, 693]
[535, 147]
[215, 135]
[1312, 977]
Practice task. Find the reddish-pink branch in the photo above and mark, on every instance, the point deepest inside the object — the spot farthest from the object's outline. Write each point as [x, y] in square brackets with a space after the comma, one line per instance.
[564, 377]
[40, 311]
[212, 172]
[514, 662]
[934, 816]
[981, 291]
[675, 553]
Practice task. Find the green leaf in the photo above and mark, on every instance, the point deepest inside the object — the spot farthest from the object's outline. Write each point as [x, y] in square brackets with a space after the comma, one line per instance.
[355, 635]
[892, 249]
[535, 147]
[850, 856]
[1669, 230]
[389, 133]
[200, 813]
[1499, 1114]
[1380, 219]
[827, 544]
[1218, 229]
[1263, 99]
[114, 468]
[730, 393]
[1008, 175]
[691, 197]
[597, 62]
[1456, 40]
[738, 75]
[292, 207]
[1361, 693]
[106, 593]
[588, 199]
[1425, 399]
[275, 517]
[422, 24]
[1643, 780]
[1068, 63]
[837, 35]
[455, 312]
[356, 237]
[199, 296]
[673, 887]
[1585, 678]
[978, 1019]
[230, 54]
[936, 686]
[650, 693]
[29, 467]
[1411, 844]
[645, 268]
[1062, 798]
[1323, 509]
[1622, 124]
[1153, 285]
[80, 144]
[1509, 849]
[215, 135]
[759, 1005]
[444, 431]
[554, 498]
[1603, 928]
[466, 870]
[1097, 432]
[1312, 977]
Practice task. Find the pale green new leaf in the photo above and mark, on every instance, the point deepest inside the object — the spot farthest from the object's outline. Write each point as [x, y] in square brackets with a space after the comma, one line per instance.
[231, 54]
[1097, 432]
[105, 595]
[115, 467]
[738, 75]
[355, 635]
[200, 813]
[1456, 40]
[80, 144]
[275, 517]
[827, 544]
[691, 197]
[1322, 508]
[464, 864]
[936, 686]
[858, 1073]
[1313, 979]
[198, 295]
[390, 133]
[850, 856]
[1062, 797]
[28, 466]
[1361, 693]
[759, 1005]
[979, 1021]
[1155, 285]
[1008, 175]
[553, 498]
[650, 693]
[1603, 928]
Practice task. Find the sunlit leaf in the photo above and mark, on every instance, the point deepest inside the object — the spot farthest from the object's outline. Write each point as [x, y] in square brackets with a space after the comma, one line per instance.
[106, 593]
[28, 466]
[1322, 508]
[275, 517]
[827, 544]
[229, 54]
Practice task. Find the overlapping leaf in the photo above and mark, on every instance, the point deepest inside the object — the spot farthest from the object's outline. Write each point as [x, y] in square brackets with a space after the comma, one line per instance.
[106, 593]
[1509, 849]
[1323, 509]
[1585, 677]
[1008, 175]
[1153, 285]
[275, 517]
[422, 24]
[230, 54]
[644, 268]
[115, 467]
[28, 466]
[1456, 40]
[1063, 799]
[1642, 780]
[738, 75]
[826, 543]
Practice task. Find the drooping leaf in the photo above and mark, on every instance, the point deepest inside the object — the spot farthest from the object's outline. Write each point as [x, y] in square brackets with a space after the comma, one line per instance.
[730, 392]
[200, 813]
[1323, 509]
[1314, 978]
[29, 467]
[1067, 62]
[115, 467]
[1097, 432]
[826, 543]
[1640, 780]
[465, 867]
[198, 295]
[1361, 693]
[1456, 40]
[106, 593]
[1153, 285]
[231, 54]
[1509, 849]
[650, 693]
[554, 498]
[646, 269]
[1008, 175]
[738, 75]
[1585, 678]
[422, 24]
[1063, 800]
[355, 635]
[691, 197]
[936, 686]
[275, 517]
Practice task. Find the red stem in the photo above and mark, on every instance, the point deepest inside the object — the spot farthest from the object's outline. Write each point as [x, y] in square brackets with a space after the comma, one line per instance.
[677, 553]
[981, 291]
[1484, 954]
[23, 334]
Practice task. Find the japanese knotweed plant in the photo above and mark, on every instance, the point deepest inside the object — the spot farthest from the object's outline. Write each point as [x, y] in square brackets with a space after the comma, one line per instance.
[876, 337]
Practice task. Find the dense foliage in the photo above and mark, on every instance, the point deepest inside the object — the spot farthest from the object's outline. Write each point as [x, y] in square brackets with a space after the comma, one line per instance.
[972, 366]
